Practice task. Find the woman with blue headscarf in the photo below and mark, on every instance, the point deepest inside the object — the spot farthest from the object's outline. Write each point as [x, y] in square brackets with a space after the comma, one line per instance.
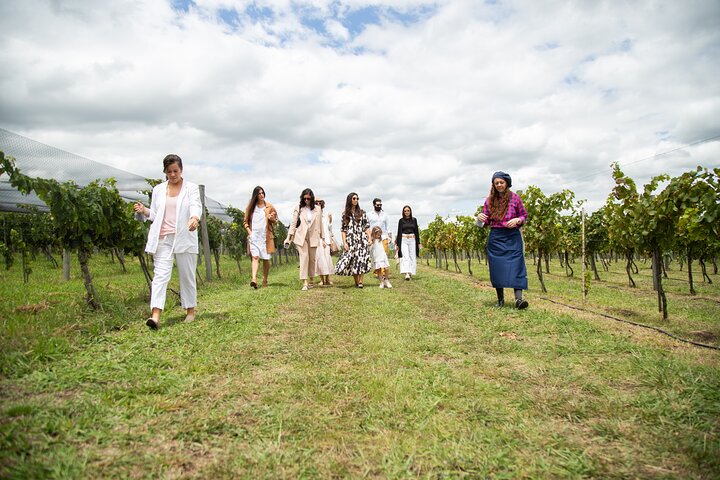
[504, 212]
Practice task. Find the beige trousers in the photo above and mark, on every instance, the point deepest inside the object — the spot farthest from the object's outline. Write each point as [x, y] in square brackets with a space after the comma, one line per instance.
[307, 260]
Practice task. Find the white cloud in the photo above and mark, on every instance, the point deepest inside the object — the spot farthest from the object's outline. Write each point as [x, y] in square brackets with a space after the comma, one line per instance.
[415, 102]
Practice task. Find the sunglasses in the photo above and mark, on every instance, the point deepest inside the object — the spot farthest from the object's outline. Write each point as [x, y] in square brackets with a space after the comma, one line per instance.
[307, 198]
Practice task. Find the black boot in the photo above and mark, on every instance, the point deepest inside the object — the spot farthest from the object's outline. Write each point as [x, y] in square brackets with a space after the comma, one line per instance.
[521, 303]
[501, 298]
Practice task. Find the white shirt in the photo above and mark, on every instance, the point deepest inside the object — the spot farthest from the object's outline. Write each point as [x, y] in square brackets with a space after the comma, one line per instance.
[379, 219]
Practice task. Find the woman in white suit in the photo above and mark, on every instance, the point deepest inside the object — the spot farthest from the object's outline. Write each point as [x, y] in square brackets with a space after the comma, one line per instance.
[306, 232]
[174, 211]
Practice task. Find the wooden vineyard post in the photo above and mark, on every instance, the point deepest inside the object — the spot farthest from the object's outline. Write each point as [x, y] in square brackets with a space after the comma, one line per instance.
[584, 289]
[205, 237]
[66, 264]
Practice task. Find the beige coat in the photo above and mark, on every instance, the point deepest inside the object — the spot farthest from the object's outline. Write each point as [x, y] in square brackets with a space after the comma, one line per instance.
[312, 230]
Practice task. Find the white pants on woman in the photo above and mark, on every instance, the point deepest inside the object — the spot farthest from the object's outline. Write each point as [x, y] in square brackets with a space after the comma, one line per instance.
[408, 262]
[186, 263]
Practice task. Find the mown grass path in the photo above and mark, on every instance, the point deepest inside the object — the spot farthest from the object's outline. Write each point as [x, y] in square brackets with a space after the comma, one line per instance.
[424, 380]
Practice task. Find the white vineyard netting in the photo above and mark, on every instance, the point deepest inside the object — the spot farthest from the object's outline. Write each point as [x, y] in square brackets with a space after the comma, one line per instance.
[36, 159]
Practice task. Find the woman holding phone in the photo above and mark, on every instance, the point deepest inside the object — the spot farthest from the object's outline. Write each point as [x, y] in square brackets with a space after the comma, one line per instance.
[306, 232]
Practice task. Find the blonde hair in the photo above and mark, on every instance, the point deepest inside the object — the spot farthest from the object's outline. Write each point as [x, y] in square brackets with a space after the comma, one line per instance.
[376, 233]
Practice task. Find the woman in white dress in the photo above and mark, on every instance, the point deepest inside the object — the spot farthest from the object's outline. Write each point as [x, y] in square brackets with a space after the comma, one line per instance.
[260, 220]
[323, 260]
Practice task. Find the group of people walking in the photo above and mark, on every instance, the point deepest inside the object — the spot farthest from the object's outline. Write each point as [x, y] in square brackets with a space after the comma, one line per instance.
[175, 211]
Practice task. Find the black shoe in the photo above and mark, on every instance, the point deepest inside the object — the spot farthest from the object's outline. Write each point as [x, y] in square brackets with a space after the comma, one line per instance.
[500, 304]
[151, 323]
[253, 285]
[521, 303]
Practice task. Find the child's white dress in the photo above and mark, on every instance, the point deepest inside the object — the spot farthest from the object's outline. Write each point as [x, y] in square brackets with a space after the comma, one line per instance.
[380, 258]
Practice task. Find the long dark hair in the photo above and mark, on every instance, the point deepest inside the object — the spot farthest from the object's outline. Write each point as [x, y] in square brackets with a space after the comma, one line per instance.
[348, 210]
[253, 203]
[307, 191]
[498, 203]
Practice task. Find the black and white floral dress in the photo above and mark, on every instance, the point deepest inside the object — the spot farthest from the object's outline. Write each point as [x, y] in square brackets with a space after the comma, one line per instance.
[357, 259]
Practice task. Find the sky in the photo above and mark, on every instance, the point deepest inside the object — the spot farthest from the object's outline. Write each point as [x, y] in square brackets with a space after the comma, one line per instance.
[416, 102]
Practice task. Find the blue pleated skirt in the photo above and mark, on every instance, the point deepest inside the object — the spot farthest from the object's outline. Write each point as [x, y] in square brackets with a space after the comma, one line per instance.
[506, 258]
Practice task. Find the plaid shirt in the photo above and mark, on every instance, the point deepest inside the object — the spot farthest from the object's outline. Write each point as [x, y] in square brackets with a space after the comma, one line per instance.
[516, 209]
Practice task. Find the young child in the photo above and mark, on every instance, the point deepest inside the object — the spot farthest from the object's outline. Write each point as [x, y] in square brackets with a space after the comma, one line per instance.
[380, 259]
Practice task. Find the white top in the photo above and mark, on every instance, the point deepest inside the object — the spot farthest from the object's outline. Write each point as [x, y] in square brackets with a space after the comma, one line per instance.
[379, 219]
[259, 222]
[308, 214]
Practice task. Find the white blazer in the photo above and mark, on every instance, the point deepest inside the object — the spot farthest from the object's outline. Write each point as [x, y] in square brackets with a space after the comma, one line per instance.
[188, 205]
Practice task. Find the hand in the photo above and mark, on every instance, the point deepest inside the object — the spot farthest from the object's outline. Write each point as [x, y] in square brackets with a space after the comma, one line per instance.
[514, 222]
[482, 217]
[346, 247]
[272, 216]
[286, 244]
[139, 208]
[193, 224]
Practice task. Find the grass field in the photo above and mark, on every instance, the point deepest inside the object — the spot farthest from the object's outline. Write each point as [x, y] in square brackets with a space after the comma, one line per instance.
[425, 380]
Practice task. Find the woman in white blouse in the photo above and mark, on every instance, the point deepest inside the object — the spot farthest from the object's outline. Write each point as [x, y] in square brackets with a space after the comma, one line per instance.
[174, 211]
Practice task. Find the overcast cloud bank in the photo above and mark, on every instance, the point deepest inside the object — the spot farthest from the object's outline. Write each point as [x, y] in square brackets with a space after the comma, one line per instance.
[416, 102]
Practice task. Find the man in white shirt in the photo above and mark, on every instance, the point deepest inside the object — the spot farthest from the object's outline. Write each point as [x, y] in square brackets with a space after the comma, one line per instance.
[378, 218]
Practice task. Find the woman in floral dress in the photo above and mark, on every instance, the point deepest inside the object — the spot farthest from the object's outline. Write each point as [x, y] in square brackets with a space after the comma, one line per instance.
[355, 259]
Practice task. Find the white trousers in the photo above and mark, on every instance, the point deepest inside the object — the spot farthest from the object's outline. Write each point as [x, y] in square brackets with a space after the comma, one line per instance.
[186, 263]
[408, 262]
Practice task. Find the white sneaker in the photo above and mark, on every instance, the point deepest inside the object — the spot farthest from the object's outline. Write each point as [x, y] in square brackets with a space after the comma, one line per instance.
[382, 285]
[387, 283]
[407, 276]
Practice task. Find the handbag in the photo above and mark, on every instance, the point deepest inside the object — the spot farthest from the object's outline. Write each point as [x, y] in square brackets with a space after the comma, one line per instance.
[334, 247]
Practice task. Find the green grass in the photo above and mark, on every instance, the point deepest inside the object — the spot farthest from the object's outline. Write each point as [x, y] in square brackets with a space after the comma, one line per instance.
[694, 317]
[425, 380]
